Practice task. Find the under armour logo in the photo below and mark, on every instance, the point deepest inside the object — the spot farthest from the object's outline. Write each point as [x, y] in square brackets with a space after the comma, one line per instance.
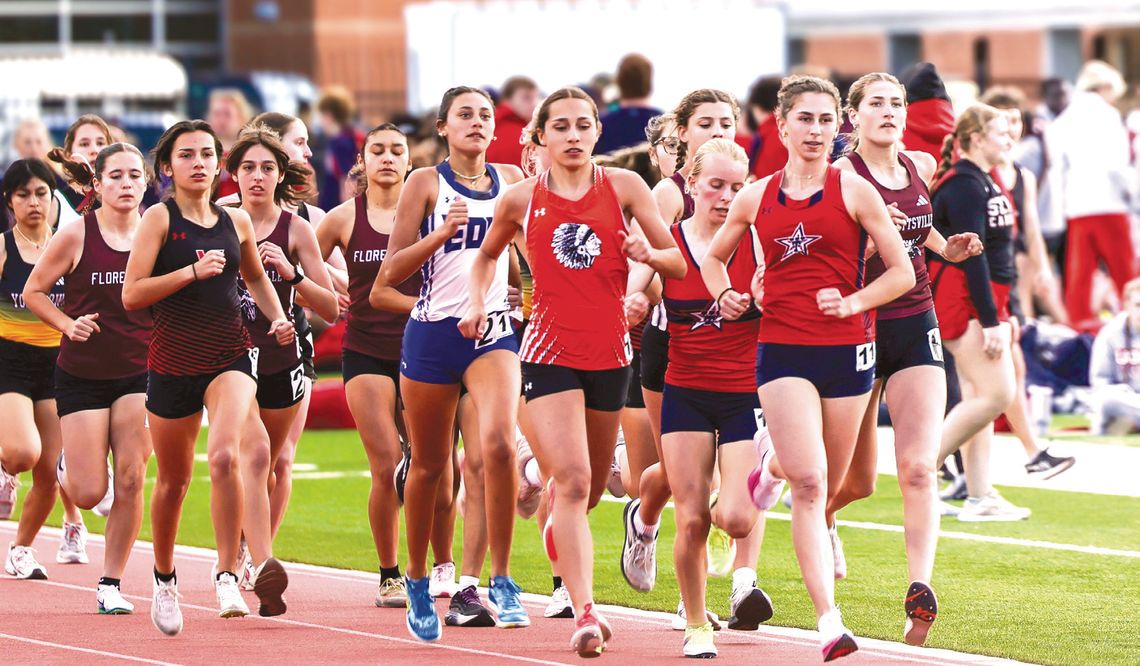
[528, 386]
[178, 236]
[767, 210]
[797, 243]
[922, 201]
[540, 212]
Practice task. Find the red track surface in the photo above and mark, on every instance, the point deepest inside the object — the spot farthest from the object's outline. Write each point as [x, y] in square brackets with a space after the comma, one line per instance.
[331, 618]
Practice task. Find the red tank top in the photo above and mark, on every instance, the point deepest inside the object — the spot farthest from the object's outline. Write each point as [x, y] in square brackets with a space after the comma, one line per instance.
[372, 332]
[914, 200]
[96, 286]
[809, 245]
[706, 352]
[272, 357]
[578, 319]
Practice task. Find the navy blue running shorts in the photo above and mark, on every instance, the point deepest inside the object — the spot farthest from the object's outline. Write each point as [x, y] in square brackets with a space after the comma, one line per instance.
[732, 417]
[836, 371]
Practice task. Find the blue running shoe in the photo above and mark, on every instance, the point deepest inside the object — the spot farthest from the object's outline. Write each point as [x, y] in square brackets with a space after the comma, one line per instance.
[422, 619]
[504, 597]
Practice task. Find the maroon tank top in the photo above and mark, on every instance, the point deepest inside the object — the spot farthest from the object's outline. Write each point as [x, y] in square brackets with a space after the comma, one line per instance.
[914, 200]
[119, 349]
[271, 356]
[689, 206]
[372, 332]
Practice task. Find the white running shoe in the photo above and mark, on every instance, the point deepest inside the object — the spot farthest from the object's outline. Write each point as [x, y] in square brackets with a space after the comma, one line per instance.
[638, 553]
[246, 569]
[103, 508]
[442, 584]
[991, 507]
[559, 605]
[230, 603]
[22, 564]
[837, 552]
[835, 640]
[530, 494]
[8, 485]
[680, 622]
[111, 601]
[73, 544]
[164, 610]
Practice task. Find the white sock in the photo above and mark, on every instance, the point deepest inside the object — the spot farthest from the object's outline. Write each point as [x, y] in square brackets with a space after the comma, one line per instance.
[643, 528]
[530, 471]
[743, 577]
[468, 581]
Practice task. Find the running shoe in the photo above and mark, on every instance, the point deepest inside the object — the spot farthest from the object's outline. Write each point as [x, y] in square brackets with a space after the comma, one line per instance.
[400, 477]
[230, 603]
[22, 564]
[73, 544]
[763, 486]
[246, 568]
[559, 606]
[750, 606]
[548, 528]
[1048, 466]
[699, 642]
[681, 621]
[955, 491]
[836, 640]
[421, 619]
[837, 553]
[8, 485]
[638, 553]
[948, 509]
[504, 599]
[614, 483]
[393, 593]
[443, 583]
[720, 548]
[467, 610]
[103, 508]
[530, 494]
[111, 601]
[269, 583]
[164, 610]
[921, 610]
[591, 633]
[992, 507]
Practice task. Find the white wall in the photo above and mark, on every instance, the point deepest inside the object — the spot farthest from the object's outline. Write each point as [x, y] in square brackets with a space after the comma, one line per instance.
[693, 44]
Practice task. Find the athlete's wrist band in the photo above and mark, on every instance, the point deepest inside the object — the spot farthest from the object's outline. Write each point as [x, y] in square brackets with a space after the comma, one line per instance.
[727, 289]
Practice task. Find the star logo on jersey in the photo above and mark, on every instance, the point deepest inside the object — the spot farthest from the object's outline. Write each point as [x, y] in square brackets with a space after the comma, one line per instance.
[797, 243]
[710, 317]
[922, 201]
[539, 212]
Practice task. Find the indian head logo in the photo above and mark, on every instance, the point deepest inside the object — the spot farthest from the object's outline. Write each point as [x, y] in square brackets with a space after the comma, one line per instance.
[576, 245]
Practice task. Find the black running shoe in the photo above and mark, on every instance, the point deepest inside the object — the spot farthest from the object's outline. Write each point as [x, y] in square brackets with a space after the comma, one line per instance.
[1048, 466]
[466, 610]
[750, 607]
[956, 491]
[401, 475]
[921, 610]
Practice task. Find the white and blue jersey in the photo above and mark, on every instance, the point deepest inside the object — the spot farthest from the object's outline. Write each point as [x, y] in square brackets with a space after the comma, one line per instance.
[447, 273]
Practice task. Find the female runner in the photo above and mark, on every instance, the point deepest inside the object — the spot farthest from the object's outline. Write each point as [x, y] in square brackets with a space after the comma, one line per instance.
[267, 181]
[450, 208]
[88, 135]
[813, 221]
[576, 349]
[28, 350]
[184, 264]
[100, 376]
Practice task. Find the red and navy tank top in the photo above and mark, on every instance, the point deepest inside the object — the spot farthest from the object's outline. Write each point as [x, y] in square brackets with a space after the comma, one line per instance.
[119, 349]
[707, 352]
[198, 329]
[689, 206]
[271, 356]
[372, 332]
[810, 244]
[914, 201]
[578, 318]
[17, 323]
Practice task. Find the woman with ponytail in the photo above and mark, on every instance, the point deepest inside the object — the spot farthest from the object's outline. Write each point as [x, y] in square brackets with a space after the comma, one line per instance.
[88, 135]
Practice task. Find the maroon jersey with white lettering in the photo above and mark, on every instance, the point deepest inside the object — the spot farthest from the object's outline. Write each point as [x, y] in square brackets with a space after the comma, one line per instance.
[119, 349]
[810, 244]
[707, 352]
[272, 357]
[578, 318]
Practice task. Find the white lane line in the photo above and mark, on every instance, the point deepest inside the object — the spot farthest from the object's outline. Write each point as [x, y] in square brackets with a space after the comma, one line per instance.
[313, 625]
[75, 648]
[766, 633]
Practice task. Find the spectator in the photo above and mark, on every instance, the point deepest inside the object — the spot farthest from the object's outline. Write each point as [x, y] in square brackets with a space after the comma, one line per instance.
[767, 153]
[342, 143]
[624, 127]
[519, 98]
[31, 140]
[1093, 186]
[1030, 152]
[930, 117]
[228, 112]
[1114, 369]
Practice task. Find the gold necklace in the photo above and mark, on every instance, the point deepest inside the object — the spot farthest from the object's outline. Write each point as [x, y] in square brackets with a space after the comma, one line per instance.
[31, 242]
[471, 179]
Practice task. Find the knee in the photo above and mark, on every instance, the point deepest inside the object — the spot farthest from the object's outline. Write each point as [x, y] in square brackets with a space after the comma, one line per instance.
[85, 498]
[20, 461]
[171, 486]
[573, 486]
[129, 480]
[499, 452]
[473, 472]
[917, 476]
[223, 462]
[693, 526]
[857, 488]
[808, 485]
[429, 466]
[737, 521]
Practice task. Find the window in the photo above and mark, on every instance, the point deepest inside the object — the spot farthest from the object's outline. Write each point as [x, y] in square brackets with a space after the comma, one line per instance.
[110, 29]
[905, 49]
[1065, 57]
[192, 28]
[982, 63]
[29, 29]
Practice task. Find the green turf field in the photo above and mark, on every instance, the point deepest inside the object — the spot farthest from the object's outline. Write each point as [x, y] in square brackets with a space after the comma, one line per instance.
[1018, 601]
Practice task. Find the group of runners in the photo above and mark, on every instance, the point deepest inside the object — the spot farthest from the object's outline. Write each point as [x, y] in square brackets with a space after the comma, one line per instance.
[738, 335]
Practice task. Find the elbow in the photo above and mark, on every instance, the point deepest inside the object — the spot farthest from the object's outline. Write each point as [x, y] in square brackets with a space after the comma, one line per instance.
[376, 298]
[131, 300]
[330, 310]
[676, 267]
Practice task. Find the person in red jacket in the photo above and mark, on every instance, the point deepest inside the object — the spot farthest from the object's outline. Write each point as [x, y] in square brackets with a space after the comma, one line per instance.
[520, 96]
[767, 153]
[930, 116]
